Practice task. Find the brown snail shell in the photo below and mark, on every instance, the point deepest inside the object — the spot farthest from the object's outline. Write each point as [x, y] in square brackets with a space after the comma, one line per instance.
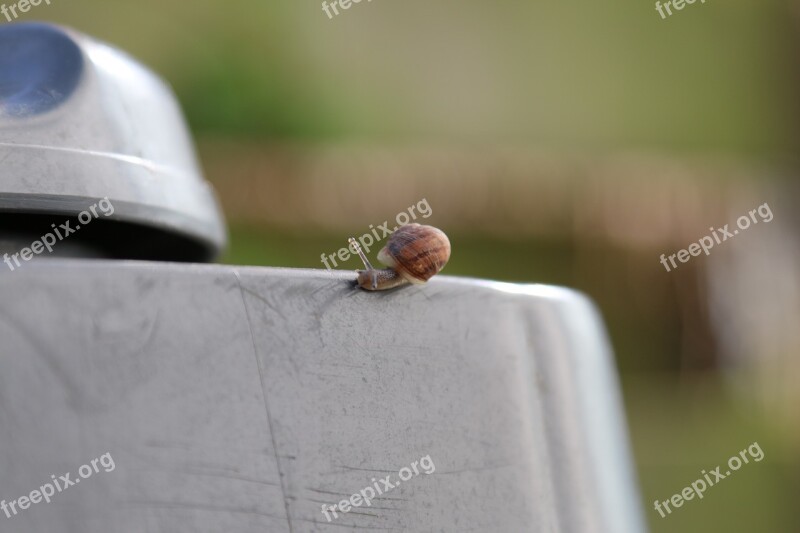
[414, 253]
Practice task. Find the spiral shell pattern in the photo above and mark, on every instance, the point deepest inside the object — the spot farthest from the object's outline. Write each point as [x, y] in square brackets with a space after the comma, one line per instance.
[416, 252]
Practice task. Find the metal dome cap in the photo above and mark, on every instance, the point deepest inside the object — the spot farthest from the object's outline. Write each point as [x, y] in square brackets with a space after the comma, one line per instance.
[81, 121]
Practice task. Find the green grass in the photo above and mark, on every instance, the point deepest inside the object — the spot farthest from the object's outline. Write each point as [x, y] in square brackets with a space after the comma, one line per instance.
[679, 430]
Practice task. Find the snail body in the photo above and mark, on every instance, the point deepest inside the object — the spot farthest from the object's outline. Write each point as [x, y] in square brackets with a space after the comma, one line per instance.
[413, 254]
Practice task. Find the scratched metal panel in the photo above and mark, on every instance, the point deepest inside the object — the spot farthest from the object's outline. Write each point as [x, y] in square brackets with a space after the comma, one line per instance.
[243, 399]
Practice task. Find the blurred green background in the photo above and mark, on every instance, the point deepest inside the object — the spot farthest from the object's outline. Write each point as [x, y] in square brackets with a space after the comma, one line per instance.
[565, 143]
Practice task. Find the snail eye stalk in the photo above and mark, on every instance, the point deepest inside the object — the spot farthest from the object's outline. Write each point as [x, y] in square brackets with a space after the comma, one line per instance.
[357, 249]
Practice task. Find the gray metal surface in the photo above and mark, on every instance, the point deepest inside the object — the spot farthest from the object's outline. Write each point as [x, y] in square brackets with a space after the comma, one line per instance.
[242, 399]
[81, 121]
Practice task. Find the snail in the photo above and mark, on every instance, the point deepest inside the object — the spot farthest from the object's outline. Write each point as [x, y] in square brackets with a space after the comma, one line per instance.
[414, 253]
